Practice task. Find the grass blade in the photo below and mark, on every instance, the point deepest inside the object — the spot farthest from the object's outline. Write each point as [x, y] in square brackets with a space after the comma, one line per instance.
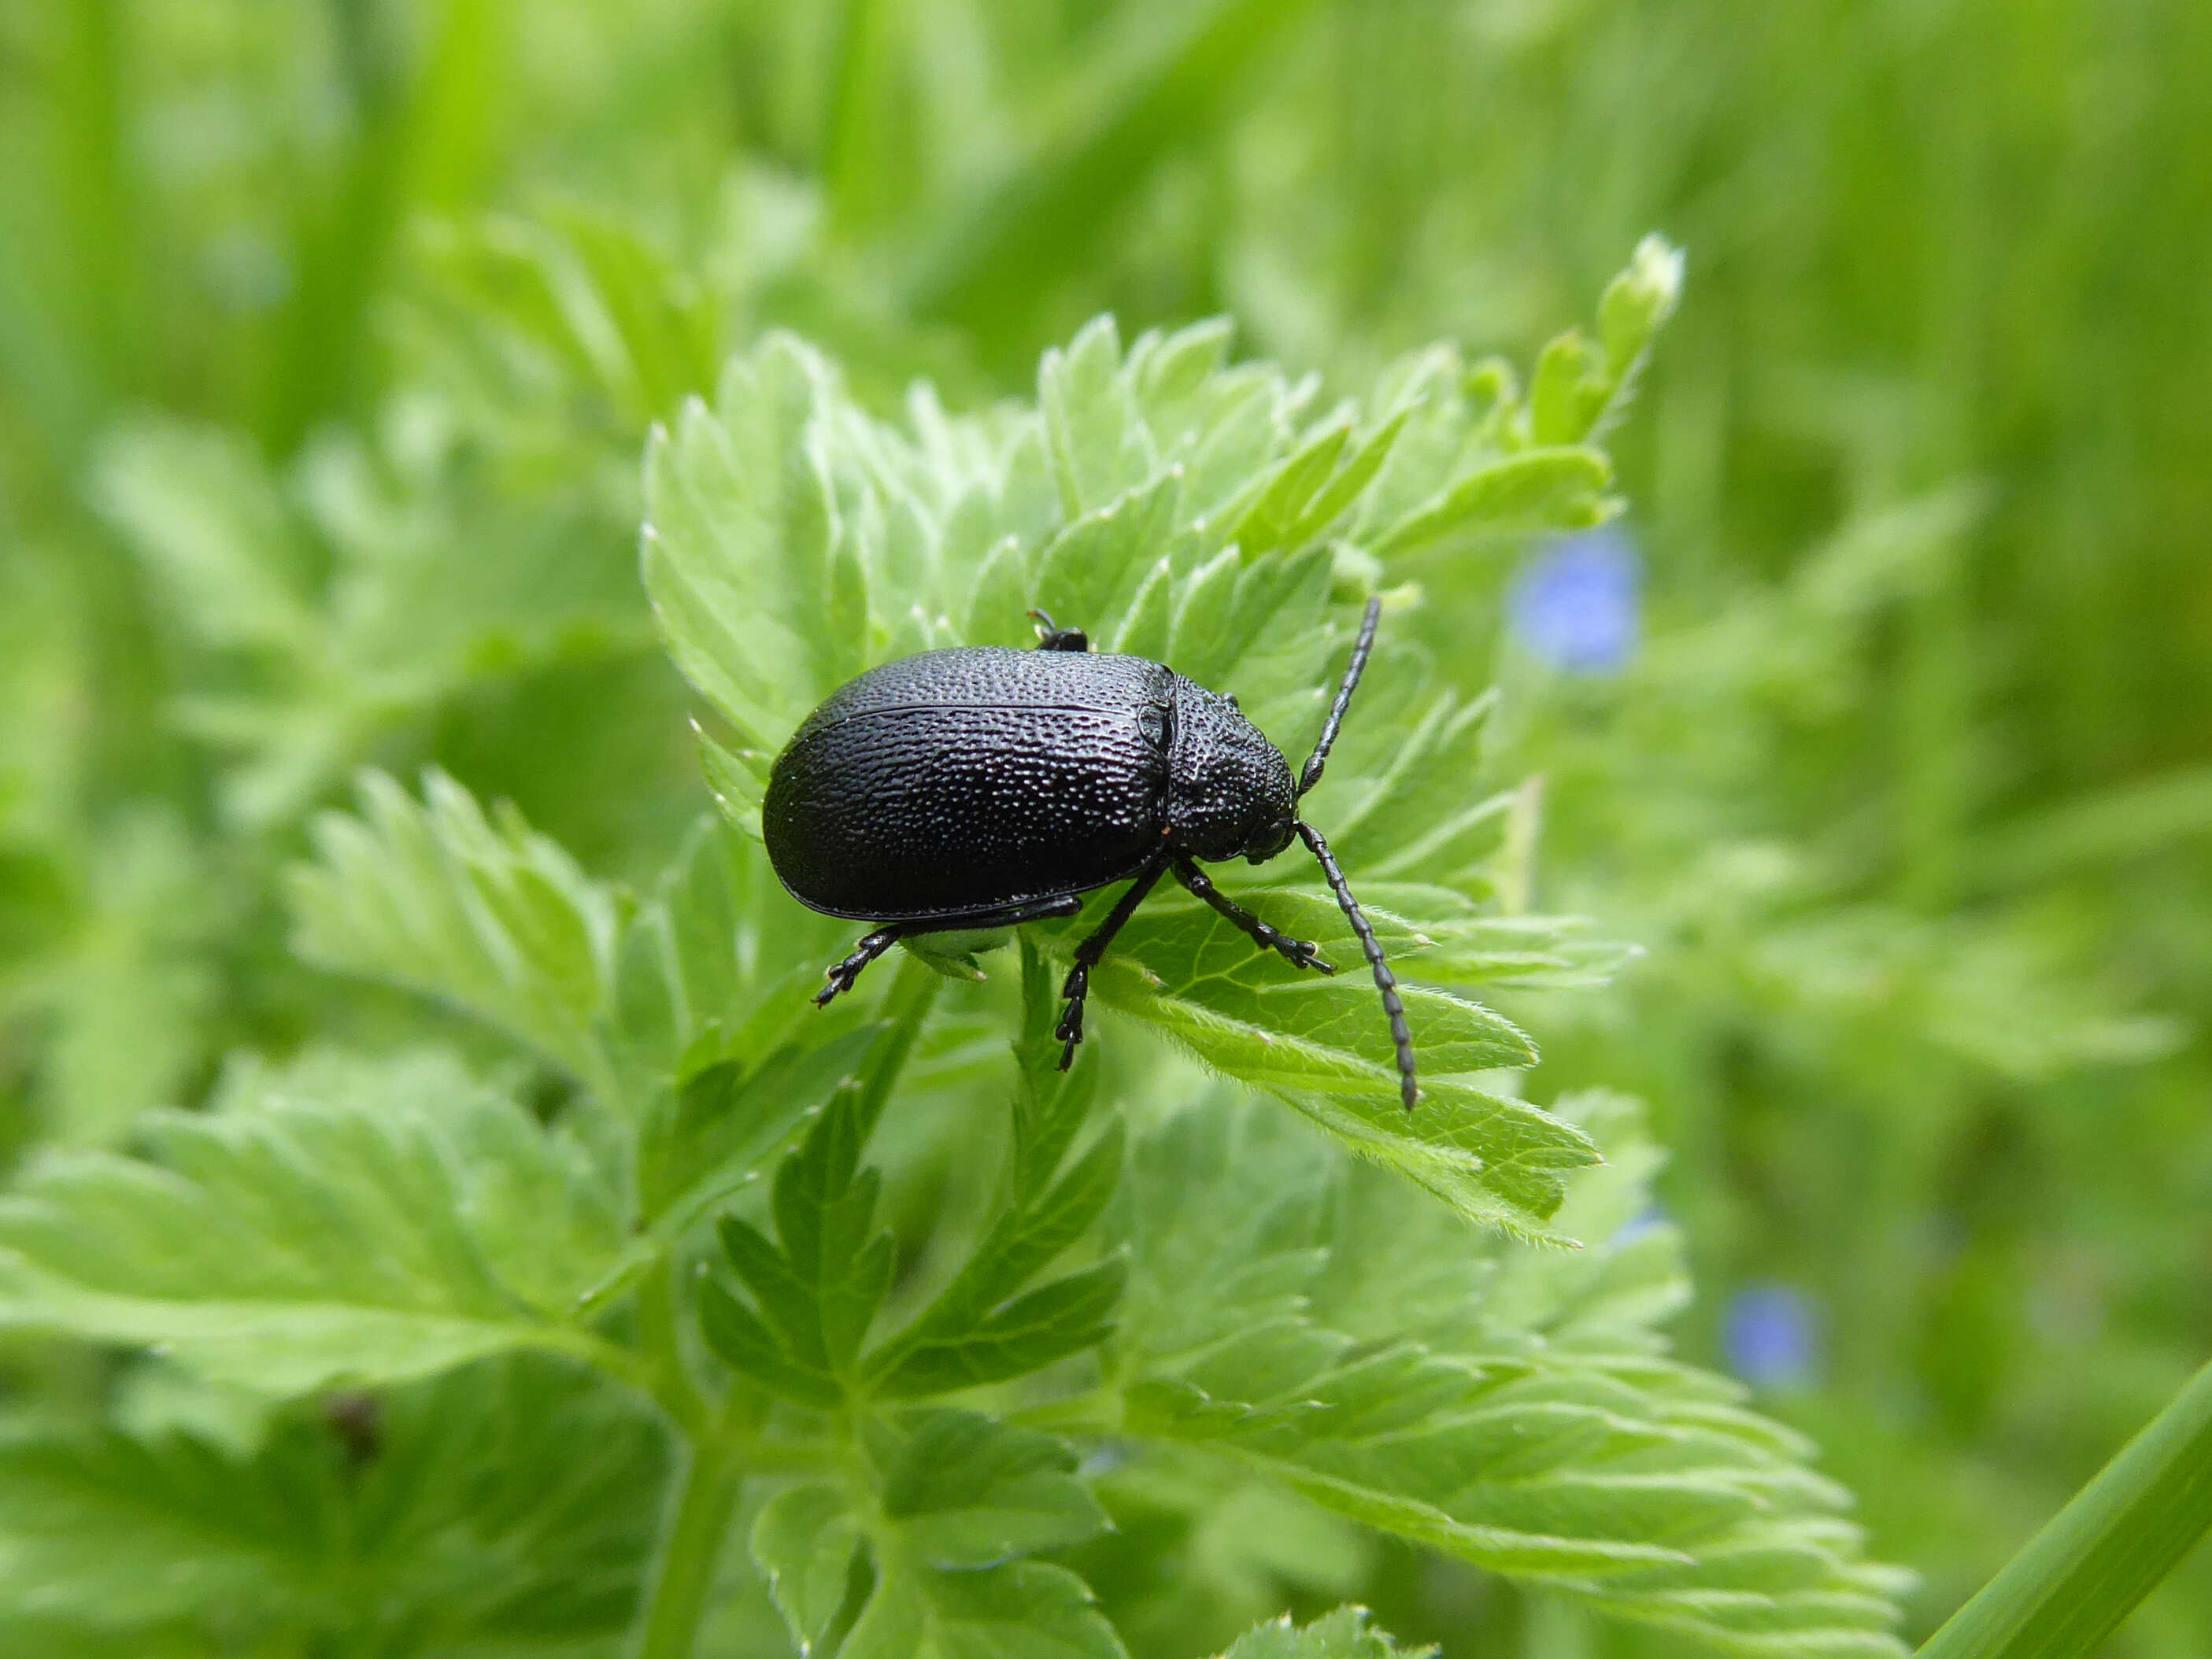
[2074, 1583]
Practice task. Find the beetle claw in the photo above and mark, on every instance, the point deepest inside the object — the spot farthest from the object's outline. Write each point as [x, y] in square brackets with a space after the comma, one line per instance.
[1302, 953]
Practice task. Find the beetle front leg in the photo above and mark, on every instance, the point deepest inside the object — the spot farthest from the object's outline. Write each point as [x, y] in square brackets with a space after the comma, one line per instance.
[1077, 990]
[841, 975]
[1298, 952]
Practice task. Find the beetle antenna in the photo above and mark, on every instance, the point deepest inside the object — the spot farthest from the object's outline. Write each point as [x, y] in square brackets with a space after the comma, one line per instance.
[1385, 980]
[1352, 670]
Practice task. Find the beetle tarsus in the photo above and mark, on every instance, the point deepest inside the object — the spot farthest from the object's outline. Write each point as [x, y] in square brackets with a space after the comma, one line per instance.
[843, 976]
[1298, 952]
[1077, 991]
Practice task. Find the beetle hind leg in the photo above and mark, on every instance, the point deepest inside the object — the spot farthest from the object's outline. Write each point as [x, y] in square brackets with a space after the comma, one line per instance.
[843, 976]
[1298, 952]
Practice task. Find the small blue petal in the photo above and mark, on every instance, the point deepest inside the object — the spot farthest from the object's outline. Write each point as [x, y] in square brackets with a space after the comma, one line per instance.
[1646, 1221]
[1575, 606]
[1771, 1337]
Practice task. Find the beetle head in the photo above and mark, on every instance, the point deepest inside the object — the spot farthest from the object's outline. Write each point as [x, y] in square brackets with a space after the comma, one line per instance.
[1230, 792]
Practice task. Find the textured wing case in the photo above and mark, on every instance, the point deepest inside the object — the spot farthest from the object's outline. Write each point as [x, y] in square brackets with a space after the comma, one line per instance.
[971, 779]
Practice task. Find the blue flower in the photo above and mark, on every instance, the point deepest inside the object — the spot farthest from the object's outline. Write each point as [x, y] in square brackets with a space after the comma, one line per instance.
[1575, 604]
[1771, 1337]
[1648, 1220]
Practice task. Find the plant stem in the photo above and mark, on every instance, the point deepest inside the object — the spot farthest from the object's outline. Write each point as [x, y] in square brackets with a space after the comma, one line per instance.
[658, 1311]
[684, 1574]
[2074, 1583]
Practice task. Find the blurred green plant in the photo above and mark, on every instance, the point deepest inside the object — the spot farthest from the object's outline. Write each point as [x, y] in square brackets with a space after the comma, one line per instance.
[328, 337]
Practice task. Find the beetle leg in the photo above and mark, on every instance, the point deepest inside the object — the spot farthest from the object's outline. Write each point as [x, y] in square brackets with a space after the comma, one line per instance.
[842, 974]
[1078, 988]
[1298, 952]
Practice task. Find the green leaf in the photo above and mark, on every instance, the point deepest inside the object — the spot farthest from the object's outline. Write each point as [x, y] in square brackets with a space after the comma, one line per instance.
[738, 781]
[96, 1529]
[1095, 568]
[327, 604]
[958, 1502]
[210, 524]
[746, 556]
[1029, 1609]
[1415, 809]
[1551, 488]
[510, 1505]
[1538, 1430]
[968, 1343]
[715, 1030]
[967, 1492]
[726, 1121]
[793, 540]
[128, 992]
[1099, 443]
[1344, 1634]
[803, 1541]
[587, 292]
[962, 1500]
[1324, 1046]
[482, 913]
[981, 1327]
[1579, 389]
[816, 1287]
[340, 1224]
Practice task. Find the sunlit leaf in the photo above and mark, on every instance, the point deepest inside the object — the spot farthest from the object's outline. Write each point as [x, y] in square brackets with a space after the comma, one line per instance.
[340, 1225]
[1537, 1430]
[481, 913]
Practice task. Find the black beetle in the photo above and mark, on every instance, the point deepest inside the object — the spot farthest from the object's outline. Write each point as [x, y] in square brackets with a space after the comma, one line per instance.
[980, 787]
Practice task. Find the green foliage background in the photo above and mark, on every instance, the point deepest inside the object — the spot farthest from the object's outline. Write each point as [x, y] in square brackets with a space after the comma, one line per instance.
[330, 338]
